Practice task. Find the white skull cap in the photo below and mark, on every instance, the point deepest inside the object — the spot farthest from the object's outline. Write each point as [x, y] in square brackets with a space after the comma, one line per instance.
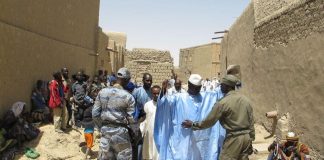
[195, 79]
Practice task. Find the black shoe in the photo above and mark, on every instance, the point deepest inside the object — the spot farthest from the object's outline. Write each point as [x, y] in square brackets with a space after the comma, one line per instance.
[82, 144]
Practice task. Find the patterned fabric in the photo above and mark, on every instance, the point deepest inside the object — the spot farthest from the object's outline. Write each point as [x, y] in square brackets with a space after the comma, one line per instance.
[114, 105]
[114, 144]
[79, 91]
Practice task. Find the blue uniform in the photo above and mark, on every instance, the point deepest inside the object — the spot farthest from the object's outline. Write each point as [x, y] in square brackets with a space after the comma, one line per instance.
[114, 105]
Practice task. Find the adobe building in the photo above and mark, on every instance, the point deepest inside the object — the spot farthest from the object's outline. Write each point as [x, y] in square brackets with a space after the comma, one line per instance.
[279, 47]
[202, 59]
[103, 61]
[117, 49]
[156, 62]
[39, 38]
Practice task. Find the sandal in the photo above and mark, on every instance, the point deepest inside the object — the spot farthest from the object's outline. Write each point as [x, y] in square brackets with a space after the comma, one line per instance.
[31, 153]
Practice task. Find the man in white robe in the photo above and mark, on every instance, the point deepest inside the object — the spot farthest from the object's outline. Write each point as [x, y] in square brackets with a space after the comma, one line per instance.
[147, 127]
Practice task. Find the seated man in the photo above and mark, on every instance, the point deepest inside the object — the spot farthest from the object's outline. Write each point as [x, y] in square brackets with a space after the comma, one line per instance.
[290, 149]
[40, 110]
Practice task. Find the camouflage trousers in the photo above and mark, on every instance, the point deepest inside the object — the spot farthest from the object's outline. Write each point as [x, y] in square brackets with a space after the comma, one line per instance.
[114, 144]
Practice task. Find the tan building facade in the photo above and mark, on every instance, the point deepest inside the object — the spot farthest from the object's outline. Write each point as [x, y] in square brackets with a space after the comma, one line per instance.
[103, 61]
[117, 49]
[202, 59]
[279, 47]
[40, 37]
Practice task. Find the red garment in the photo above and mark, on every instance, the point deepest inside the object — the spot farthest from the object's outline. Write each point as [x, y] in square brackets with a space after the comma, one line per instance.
[55, 99]
[66, 89]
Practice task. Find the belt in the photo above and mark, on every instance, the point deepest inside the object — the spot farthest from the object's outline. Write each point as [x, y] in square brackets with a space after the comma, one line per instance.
[237, 132]
[114, 124]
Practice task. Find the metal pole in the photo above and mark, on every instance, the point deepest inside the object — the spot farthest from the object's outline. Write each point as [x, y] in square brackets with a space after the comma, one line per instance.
[225, 31]
[217, 37]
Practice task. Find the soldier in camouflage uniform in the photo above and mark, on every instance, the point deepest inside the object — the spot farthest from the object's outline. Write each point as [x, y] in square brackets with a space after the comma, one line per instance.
[112, 111]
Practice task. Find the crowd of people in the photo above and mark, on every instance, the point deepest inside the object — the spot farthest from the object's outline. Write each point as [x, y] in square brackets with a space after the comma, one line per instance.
[160, 122]
[209, 120]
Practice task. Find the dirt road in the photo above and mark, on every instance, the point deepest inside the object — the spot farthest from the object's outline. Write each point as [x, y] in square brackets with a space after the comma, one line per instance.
[65, 146]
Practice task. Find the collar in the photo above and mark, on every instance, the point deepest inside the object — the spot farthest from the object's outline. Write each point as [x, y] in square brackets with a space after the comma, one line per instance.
[116, 85]
[230, 93]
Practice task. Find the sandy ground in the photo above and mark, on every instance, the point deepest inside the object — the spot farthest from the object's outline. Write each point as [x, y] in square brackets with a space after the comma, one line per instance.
[65, 146]
[60, 146]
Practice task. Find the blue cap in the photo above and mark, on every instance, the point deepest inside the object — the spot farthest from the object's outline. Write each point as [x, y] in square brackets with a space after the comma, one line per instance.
[130, 86]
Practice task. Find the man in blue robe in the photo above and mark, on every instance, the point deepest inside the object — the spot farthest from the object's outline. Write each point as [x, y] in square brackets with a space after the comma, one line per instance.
[177, 143]
[142, 95]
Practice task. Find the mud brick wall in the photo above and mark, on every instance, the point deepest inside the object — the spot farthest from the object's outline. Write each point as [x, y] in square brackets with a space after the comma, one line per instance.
[156, 62]
[281, 58]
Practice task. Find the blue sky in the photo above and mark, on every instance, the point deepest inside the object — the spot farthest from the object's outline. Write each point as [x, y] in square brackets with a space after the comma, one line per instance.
[169, 24]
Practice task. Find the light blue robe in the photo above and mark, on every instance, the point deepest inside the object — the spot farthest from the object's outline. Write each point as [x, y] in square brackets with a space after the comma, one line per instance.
[141, 97]
[177, 143]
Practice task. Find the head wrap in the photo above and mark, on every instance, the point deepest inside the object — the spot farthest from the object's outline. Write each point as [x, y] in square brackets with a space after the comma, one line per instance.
[291, 136]
[17, 108]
